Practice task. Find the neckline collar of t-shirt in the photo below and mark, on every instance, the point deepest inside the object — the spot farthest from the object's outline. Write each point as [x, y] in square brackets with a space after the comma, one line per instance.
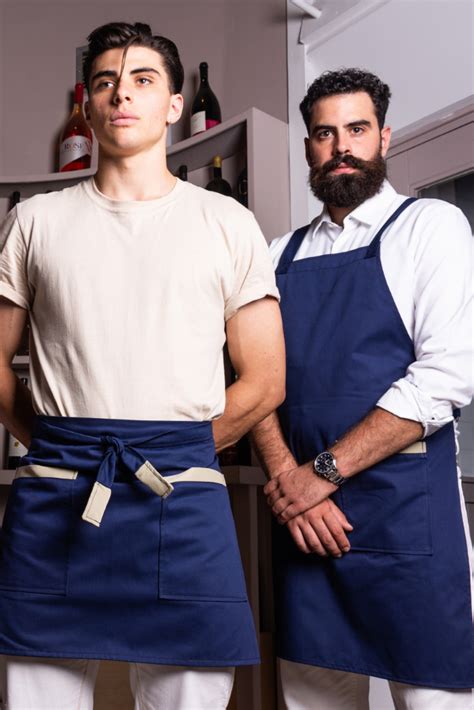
[368, 213]
[108, 203]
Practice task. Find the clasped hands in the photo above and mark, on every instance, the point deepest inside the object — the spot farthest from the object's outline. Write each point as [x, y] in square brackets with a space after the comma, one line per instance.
[299, 499]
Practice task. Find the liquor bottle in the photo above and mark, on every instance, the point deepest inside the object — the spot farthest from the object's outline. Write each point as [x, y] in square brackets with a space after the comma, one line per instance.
[75, 146]
[14, 199]
[242, 188]
[218, 184]
[183, 172]
[16, 451]
[24, 347]
[15, 448]
[205, 109]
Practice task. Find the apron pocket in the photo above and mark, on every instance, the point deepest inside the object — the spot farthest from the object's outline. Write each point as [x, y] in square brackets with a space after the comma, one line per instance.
[34, 541]
[199, 554]
[389, 506]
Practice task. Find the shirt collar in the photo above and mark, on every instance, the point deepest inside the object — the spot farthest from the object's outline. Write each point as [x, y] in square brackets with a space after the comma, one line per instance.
[369, 212]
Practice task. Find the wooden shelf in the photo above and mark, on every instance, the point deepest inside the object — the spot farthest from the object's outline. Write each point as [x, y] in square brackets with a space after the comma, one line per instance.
[21, 362]
[224, 139]
[260, 141]
[244, 475]
[6, 477]
[234, 475]
[71, 176]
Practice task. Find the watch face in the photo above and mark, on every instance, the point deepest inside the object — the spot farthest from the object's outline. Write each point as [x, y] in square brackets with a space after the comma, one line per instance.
[325, 462]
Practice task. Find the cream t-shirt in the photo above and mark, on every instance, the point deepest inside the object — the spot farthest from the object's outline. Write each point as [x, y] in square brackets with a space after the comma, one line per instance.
[128, 300]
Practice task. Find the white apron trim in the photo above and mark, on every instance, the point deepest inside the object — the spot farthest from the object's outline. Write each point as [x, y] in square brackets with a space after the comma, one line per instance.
[418, 447]
[38, 471]
[147, 474]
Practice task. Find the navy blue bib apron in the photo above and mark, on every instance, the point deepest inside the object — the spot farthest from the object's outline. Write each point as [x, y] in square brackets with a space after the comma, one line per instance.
[398, 605]
[156, 577]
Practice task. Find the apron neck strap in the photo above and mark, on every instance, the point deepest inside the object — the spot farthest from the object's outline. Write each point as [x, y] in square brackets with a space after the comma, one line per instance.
[290, 250]
[374, 245]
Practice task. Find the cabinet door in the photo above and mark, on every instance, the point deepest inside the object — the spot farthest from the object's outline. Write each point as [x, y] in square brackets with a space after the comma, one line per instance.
[432, 153]
[436, 160]
[459, 191]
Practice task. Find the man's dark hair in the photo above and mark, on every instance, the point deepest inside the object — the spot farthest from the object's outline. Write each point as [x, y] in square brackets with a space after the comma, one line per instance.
[117, 35]
[347, 81]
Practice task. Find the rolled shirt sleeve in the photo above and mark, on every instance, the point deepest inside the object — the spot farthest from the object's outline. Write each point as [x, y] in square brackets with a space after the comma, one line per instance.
[13, 262]
[442, 376]
[254, 277]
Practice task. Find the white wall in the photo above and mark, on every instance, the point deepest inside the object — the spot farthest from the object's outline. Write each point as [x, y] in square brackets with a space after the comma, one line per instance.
[422, 48]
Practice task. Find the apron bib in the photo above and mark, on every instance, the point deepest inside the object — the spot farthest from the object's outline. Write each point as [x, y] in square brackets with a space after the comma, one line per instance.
[398, 605]
[118, 542]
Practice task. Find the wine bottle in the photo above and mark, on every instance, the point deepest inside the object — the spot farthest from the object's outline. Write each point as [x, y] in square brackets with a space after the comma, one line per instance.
[75, 146]
[218, 184]
[205, 109]
[15, 448]
[242, 188]
[16, 451]
[15, 198]
[183, 172]
[24, 347]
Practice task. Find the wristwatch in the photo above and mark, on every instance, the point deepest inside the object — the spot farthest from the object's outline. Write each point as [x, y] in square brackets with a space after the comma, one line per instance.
[324, 466]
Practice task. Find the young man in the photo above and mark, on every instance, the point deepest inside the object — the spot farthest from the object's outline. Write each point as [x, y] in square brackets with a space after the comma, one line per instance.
[118, 540]
[377, 310]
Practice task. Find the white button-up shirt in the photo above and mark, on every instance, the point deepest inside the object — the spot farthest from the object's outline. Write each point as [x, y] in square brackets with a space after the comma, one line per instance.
[426, 257]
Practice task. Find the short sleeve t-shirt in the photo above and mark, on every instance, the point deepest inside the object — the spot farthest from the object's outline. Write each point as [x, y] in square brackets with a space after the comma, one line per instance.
[128, 300]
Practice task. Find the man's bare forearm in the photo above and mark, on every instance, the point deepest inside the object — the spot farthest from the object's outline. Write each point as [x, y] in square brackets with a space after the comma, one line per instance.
[257, 353]
[379, 435]
[246, 404]
[271, 447]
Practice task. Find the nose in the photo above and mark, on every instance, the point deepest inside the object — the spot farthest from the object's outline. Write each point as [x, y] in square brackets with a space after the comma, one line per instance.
[121, 93]
[341, 144]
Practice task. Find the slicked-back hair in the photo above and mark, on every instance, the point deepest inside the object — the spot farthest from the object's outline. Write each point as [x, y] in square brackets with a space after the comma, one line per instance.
[347, 81]
[118, 35]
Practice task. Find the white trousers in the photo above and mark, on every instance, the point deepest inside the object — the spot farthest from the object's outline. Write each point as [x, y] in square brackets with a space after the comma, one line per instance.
[312, 688]
[68, 684]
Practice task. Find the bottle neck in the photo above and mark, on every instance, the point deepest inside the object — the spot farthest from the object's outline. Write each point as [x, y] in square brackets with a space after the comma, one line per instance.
[203, 74]
[79, 94]
[217, 172]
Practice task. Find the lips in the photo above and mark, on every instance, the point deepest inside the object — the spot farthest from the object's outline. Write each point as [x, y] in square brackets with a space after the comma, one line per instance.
[123, 119]
[343, 169]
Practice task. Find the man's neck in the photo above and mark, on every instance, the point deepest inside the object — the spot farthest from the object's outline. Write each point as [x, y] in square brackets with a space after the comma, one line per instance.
[338, 214]
[139, 177]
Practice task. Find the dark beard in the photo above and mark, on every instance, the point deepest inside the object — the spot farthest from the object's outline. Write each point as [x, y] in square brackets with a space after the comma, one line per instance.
[347, 190]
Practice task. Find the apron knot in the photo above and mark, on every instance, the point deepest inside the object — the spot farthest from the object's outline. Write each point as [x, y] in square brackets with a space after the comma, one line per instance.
[112, 442]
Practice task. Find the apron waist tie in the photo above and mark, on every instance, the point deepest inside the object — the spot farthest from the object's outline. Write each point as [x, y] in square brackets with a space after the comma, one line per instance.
[117, 450]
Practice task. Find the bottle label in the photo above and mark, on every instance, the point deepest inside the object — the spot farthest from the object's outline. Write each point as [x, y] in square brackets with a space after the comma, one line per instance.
[73, 148]
[198, 122]
[15, 448]
[210, 122]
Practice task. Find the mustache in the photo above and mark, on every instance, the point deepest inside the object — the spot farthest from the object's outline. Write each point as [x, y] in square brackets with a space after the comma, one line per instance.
[349, 160]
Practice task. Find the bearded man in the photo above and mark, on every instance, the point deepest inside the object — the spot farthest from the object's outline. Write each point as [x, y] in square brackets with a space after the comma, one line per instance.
[372, 562]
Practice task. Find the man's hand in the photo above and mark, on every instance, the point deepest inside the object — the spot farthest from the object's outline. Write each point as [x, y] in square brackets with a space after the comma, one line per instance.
[295, 491]
[321, 530]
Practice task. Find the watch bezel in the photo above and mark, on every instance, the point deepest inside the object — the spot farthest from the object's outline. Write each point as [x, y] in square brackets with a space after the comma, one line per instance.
[328, 470]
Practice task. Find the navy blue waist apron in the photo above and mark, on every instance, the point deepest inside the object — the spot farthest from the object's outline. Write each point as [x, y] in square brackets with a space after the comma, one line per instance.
[118, 542]
[398, 605]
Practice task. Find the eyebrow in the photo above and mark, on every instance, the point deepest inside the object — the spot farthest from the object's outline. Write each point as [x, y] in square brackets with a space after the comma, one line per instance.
[113, 74]
[323, 126]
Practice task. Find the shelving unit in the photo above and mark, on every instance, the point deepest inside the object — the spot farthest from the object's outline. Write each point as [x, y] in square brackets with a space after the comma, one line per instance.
[252, 138]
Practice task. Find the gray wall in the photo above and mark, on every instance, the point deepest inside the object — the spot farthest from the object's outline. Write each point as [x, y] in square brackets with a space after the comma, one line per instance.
[244, 42]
